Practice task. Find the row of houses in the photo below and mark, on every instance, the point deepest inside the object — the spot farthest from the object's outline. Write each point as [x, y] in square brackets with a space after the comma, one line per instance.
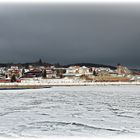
[121, 73]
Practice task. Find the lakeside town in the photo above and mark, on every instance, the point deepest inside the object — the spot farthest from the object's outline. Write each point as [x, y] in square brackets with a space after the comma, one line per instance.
[43, 73]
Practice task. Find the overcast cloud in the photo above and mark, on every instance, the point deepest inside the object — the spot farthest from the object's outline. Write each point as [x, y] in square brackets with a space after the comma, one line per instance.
[105, 34]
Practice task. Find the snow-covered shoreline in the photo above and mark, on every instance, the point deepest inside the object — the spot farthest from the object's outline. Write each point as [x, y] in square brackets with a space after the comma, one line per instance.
[64, 82]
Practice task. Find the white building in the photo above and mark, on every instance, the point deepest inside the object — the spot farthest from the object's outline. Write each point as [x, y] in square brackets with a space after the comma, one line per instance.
[77, 71]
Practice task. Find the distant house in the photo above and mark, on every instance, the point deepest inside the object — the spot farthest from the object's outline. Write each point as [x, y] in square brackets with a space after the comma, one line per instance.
[50, 72]
[72, 70]
[39, 72]
[32, 73]
[14, 70]
[77, 71]
[136, 76]
[84, 70]
[2, 70]
[121, 70]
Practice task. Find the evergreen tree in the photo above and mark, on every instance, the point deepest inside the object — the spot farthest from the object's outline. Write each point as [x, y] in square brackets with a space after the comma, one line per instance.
[57, 65]
[44, 73]
[6, 76]
[94, 73]
[13, 78]
[23, 71]
[40, 62]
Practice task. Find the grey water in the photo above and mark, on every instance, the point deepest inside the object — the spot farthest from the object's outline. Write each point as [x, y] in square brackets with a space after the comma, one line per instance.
[70, 111]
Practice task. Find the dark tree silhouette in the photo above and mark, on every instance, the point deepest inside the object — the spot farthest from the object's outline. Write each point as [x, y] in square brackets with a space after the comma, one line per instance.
[94, 73]
[44, 73]
[13, 78]
[57, 65]
[6, 76]
[23, 71]
[40, 62]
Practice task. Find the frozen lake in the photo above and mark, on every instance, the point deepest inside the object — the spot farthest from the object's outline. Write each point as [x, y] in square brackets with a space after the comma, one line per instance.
[70, 111]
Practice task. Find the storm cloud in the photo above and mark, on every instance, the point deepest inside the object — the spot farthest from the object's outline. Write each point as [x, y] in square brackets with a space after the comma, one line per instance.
[70, 33]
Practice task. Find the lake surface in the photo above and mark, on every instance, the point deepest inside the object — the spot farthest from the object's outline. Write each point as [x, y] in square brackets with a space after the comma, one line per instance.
[70, 111]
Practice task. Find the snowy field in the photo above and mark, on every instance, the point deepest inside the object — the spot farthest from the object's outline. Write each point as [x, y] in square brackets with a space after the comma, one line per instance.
[71, 111]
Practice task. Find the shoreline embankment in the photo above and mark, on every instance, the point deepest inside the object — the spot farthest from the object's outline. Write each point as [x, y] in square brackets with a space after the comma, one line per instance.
[34, 85]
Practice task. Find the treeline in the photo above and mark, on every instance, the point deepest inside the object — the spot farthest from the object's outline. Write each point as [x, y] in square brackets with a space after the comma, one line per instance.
[92, 65]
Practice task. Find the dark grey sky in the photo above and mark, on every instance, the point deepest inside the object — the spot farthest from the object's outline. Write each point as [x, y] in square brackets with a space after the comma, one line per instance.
[96, 33]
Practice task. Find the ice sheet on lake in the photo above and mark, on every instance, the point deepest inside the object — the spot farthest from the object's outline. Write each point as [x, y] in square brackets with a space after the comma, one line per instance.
[70, 111]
